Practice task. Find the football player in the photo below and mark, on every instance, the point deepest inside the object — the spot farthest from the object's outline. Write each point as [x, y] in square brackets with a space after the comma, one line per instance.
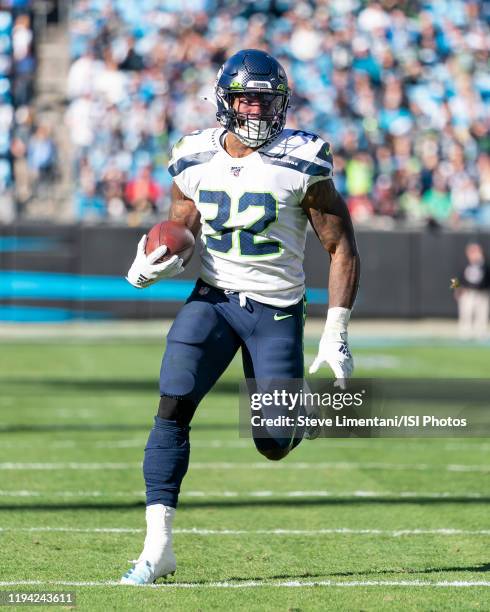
[250, 187]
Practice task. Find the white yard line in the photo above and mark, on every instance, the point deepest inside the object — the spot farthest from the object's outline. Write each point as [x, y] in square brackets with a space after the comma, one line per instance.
[68, 465]
[73, 529]
[223, 465]
[262, 583]
[460, 446]
[393, 533]
[247, 494]
[356, 443]
[41, 442]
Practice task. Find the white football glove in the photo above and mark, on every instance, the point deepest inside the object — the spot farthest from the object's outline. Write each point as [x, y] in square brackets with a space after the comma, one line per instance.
[144, 271]
[334, 347]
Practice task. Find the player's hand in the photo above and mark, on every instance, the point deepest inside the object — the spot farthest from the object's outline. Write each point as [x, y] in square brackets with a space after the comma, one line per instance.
[334, 347]
[144, 271]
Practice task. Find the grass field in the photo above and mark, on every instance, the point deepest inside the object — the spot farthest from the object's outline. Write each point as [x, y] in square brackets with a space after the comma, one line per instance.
[338, 525]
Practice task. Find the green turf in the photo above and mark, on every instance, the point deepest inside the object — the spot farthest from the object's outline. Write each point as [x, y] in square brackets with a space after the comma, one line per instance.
[78, 404]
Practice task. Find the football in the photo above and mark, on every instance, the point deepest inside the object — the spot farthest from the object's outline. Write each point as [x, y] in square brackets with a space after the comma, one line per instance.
[176, 236]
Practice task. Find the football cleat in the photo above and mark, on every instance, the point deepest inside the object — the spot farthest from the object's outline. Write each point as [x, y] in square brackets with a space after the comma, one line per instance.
[157, 559]
[143, 572]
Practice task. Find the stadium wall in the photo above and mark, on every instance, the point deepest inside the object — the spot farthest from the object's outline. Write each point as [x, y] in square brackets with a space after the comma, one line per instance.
[62, 273]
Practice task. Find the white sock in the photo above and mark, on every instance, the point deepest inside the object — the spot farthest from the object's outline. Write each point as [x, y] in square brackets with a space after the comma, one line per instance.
[158, 541]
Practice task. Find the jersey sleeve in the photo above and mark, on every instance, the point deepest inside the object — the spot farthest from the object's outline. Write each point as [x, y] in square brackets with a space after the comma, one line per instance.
[320, 163]
[187, 158]
[177, 167]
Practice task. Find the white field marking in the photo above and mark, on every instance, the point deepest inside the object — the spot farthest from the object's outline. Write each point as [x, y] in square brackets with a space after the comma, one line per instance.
[250, 494]
[455, 446]
[394, 533]
[247, 443]
[331, 442]
[41, 442]
[139, 443]
[262, 583]
[194, 444]
[356, 443]
[322, 493]
[70, 465]
[468, 468]
[130, 443]
[333, 465]
[74, 529]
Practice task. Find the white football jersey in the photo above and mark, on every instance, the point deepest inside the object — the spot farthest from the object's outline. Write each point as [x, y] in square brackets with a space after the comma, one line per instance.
[253, 227]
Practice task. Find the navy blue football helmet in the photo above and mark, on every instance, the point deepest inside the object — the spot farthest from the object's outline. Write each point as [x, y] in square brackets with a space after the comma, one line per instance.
[255, 75]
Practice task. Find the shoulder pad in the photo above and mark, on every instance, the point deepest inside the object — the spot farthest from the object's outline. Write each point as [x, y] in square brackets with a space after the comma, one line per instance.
[301, 151]
[196, 148]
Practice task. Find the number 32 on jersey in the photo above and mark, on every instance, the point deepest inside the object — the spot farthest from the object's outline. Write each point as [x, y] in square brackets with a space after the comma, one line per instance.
[225, 222]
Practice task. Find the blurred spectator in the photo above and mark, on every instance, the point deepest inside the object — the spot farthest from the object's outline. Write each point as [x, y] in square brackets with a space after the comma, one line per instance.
[83, 73]
[359, 175]
[360, 208]
[410, 205]
[42, 161]
[142, 192]
[113, 182]
[21, 134]
[473, 295]
[401, 90]
[90, 204]
[436, 201]
[484, 172]
[24, 61]
[132, 60]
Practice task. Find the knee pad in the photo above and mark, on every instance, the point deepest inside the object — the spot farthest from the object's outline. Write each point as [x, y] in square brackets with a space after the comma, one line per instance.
[179, 409]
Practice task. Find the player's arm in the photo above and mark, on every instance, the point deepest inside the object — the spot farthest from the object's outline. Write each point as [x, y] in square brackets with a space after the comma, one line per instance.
[145, 269]
[329, 217]
[183, 210]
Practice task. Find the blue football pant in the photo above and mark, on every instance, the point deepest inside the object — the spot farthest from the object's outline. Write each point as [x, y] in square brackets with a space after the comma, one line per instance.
[204, 338]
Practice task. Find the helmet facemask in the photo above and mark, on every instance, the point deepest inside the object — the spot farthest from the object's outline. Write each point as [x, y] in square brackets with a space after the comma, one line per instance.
[254, 129]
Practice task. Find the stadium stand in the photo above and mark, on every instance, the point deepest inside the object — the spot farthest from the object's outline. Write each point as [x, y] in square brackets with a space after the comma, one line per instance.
[32, 152]
[400, 89]
[6, 115]
[17, 69]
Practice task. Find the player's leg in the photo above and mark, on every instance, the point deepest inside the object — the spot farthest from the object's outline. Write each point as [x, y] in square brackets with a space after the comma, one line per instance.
[274, 354]
[200, 345]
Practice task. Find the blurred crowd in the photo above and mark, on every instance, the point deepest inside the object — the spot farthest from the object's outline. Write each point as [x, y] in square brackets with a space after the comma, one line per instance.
[400, 89]
[27, 150]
